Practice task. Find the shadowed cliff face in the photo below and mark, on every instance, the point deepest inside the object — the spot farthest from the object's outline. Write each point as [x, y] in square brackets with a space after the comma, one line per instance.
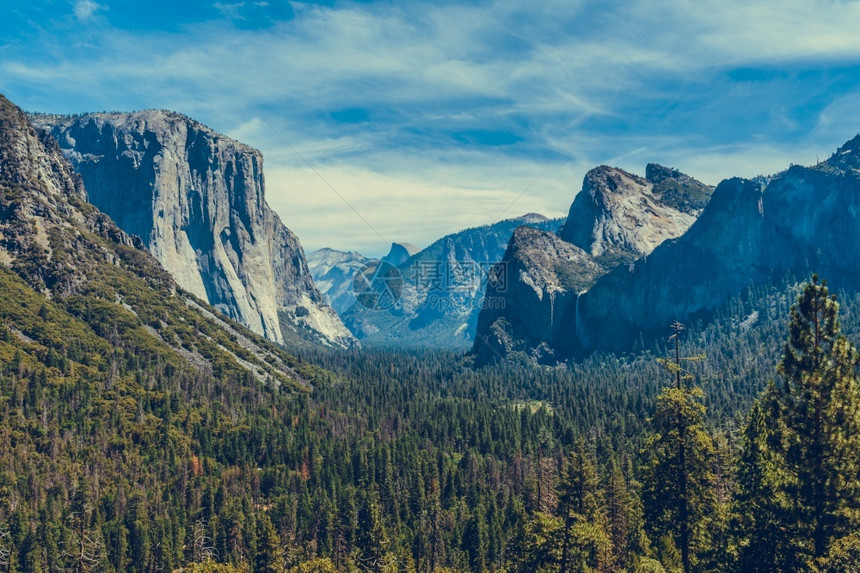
[803, 220]
[617, 218]
[751, 232]
[537, 276]
[196, 199]
[443, 288]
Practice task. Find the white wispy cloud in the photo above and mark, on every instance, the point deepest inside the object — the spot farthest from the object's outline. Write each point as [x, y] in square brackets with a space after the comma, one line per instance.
[396, 208]
[716, 88]
[86, 9]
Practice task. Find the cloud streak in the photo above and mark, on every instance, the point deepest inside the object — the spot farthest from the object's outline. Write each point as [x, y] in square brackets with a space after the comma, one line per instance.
[404, 105]
[86, 9]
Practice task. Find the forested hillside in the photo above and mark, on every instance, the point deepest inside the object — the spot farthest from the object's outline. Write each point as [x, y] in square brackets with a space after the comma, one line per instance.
[390, 462]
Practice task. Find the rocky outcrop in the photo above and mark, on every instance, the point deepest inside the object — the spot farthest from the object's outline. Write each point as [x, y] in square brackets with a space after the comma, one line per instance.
[803, 220]
[196, 199]
[617, 218]
[41, 195]
[442, 289]
[333, 272]
[527, 290]
[107, 293]
[399, 253]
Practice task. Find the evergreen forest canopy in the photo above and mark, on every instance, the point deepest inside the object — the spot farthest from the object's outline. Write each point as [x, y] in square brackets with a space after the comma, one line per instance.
[738, 453]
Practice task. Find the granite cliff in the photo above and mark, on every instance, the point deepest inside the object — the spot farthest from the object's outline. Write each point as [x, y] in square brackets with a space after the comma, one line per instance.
[196, 199]
[399, 253]
[74, 284]
[616, 218]
[753, 232]
[619, 216]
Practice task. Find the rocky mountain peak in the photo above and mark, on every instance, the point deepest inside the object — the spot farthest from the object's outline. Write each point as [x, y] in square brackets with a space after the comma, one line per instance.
[400, 253]
[852, 145]
[333, 273]
[329, 255]
[197, 200]
[678, 190]
[21, 165]
[654, 172]
[605, 178]
[846, 157]
[619, 216]
[531, 218]
[616, 219]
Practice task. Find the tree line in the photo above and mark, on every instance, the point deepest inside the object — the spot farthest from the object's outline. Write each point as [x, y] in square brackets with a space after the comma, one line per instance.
[746, 461]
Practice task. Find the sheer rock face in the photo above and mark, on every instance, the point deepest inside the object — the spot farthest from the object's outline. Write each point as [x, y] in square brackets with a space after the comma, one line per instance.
[803, 220]
[536, 279]
[333, 273]
[617, 218]
[196, 199]
[443, 288]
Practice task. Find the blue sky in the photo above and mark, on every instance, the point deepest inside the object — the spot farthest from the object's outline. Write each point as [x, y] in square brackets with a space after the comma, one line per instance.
[429, 117]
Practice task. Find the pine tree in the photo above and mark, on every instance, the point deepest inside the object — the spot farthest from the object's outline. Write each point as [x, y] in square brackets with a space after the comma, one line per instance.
[373, 538]
[720, 547]
[818, 404]
[623, 519]
[435, 544]
[270, 552]
[760, 502]
[31, 555]
[476, 539]
[678, 489]
[535, 545]
[585, 543]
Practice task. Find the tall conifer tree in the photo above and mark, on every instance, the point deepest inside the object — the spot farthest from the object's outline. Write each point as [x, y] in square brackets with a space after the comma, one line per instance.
[585, 544]
[818, 406]
[678, 489]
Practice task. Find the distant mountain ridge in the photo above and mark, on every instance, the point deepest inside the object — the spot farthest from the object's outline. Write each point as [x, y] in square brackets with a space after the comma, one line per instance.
[617, 218]
[442, 288]
[197, 200]
[333, 272]
[750, 232]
